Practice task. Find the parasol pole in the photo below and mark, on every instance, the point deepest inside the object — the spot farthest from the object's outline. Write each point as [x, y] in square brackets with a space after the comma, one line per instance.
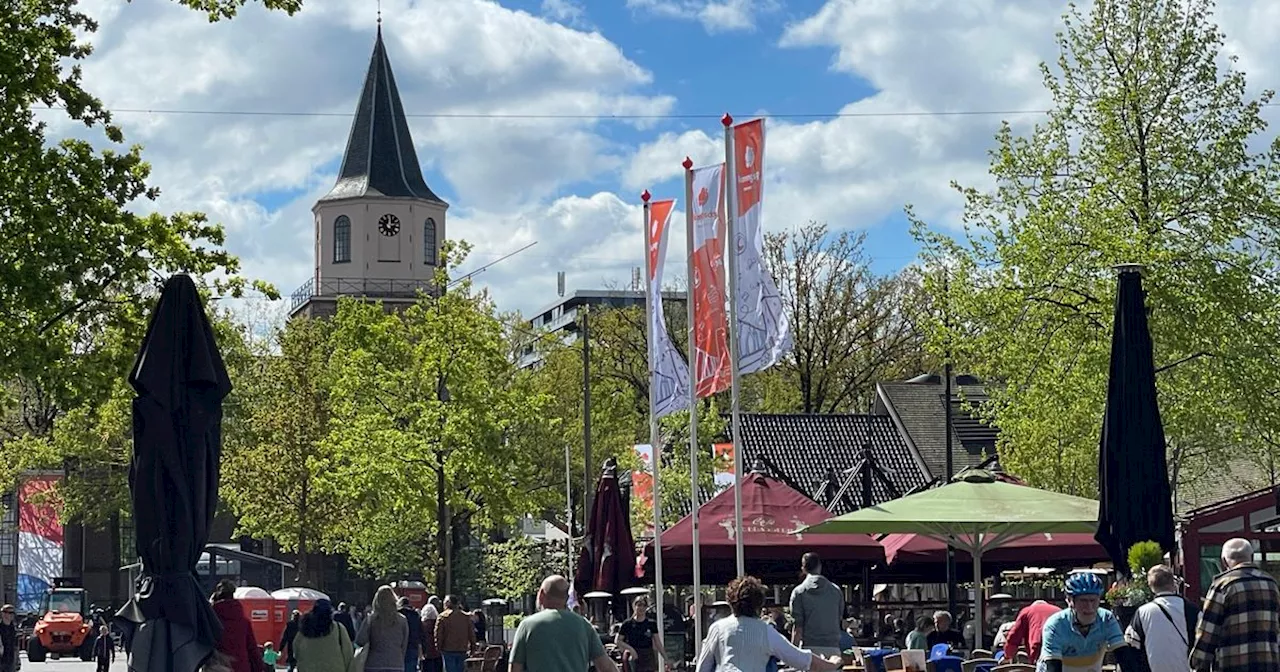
[652, 296]
[730, 201]
[693, 411]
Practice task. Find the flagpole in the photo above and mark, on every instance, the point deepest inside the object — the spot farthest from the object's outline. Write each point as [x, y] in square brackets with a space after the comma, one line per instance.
[693, 410]
[650, 302]
[731, 216]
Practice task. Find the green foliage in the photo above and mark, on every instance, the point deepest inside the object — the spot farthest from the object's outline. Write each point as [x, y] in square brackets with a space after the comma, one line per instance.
[395, 442]
[273, 471]
[1149, 155]
[92, 441]
[1143, 556]
[77, 261]
[515, 568]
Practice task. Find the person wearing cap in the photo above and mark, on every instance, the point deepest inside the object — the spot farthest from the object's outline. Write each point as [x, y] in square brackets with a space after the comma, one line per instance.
[413, 646]
[8, 639]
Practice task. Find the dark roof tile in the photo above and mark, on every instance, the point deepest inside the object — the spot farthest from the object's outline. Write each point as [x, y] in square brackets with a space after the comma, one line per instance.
[820, 456]
[380, 159]
[919, 407]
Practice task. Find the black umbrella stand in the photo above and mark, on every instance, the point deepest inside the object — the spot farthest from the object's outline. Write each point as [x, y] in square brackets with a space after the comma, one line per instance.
[180, 381]
[1136, 503]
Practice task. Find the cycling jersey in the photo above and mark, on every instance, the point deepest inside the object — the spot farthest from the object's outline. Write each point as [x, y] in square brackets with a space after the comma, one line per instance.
[1078, 652]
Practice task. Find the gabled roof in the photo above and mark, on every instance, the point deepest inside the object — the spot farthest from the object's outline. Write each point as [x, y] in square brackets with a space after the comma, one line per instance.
[822, 456]
[917, 409]
[380, 159]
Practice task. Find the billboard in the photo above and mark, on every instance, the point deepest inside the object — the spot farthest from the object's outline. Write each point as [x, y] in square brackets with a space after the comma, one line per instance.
[39, 540]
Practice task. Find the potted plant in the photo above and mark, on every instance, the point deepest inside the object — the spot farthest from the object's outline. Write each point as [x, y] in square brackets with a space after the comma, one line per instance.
[1125, 596]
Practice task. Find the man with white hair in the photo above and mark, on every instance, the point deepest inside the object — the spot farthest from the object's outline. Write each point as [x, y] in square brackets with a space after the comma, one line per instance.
[1240, 625]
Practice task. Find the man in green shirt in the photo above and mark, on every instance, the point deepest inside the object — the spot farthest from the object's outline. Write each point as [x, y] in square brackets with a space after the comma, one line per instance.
[556, 639]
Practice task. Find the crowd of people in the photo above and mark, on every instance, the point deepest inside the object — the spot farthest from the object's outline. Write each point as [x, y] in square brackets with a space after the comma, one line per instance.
[1238, 630]
[392, 636]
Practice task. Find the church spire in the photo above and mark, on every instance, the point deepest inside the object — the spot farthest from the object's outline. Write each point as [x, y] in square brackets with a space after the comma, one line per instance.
[380, 159]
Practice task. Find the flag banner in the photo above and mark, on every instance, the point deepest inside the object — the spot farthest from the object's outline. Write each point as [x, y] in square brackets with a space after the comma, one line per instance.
[711, 330]
[642, 479]
[39, 540]
[724, 469]
[764, 334]
[668, 372]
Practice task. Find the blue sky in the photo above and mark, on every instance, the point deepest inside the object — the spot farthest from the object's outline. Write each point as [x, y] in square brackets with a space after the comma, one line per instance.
[571, 184]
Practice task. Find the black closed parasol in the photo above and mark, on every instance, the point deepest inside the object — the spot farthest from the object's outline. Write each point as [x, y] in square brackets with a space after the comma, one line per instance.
[1136, 503]
[180, 380]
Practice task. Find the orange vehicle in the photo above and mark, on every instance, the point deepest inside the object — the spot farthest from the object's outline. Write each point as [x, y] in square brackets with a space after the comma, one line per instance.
[65, 627]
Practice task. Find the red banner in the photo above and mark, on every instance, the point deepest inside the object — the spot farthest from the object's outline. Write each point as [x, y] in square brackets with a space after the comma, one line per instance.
[711, 325]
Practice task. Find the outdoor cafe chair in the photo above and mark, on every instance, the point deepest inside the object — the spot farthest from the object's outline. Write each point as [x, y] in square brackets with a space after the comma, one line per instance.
[938, 651]
[979, 665]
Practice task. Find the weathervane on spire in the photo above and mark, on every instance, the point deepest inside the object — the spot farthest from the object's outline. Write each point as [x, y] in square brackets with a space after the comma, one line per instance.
[379, 14]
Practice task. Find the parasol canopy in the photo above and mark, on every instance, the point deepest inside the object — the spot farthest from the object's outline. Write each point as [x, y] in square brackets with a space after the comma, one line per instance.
[773, 515]
[976, 513]
[180, 381]
[1133, 476]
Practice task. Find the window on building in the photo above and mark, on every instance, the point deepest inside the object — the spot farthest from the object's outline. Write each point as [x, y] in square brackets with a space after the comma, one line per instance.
[341, 240]
[9, 537]
[429, 242]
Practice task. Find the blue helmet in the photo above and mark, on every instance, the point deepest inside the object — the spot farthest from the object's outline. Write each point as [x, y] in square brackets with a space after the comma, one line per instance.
[1084, 583]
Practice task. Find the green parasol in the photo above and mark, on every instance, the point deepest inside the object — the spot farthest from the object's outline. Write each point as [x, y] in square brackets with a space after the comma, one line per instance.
[975, 513]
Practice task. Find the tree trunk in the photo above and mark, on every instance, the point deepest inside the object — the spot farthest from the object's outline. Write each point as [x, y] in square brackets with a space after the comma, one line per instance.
[444, 566]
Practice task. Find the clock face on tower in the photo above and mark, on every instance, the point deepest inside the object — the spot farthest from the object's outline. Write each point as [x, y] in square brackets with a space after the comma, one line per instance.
[389, 225]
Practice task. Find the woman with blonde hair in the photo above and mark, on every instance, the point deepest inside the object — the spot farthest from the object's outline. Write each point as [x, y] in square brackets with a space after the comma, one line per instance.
[385, 633]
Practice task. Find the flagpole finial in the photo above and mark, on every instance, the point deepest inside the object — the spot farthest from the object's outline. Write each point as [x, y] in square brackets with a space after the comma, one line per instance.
[645, 196]
[727, 120]
[688, 163]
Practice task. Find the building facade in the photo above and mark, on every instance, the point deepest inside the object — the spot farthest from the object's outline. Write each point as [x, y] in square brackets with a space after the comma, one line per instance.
[562, 318]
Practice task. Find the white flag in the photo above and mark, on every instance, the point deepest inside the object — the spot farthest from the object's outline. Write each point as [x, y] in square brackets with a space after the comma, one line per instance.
[764, 334]
[668, 373]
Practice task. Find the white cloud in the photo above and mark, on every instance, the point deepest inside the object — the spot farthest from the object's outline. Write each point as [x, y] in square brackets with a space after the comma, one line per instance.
[565, 11]
[716, 16]
[512, 181]
[451, 57]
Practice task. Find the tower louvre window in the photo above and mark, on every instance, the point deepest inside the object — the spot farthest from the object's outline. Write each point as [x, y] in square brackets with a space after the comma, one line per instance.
[341, 240]
[429, 242]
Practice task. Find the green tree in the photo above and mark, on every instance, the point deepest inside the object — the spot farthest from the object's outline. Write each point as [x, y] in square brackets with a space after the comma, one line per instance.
[273, 472]
[852, 328]
[93, 441]
[76, 259]
[426, 402]
[516, 567]
[1151, 154]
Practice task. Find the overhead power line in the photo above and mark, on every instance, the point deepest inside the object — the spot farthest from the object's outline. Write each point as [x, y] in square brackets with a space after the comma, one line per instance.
[591, 117]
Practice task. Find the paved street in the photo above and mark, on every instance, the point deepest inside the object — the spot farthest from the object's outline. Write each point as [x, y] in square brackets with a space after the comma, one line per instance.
[69, 665]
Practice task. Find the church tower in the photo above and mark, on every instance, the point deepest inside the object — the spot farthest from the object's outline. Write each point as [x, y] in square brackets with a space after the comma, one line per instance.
[379, 231]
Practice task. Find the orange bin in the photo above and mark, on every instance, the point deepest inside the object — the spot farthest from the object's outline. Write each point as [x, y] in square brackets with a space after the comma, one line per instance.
[259, 607]
[416, 591]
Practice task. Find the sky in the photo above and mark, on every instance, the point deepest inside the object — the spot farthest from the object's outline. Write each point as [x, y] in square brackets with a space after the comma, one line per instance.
[871, 104]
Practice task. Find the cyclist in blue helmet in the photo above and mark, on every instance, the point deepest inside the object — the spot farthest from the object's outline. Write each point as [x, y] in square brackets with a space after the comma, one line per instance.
[1077, 638]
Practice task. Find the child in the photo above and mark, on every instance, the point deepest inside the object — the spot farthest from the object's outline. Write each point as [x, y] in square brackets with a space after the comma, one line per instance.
[104, 649]
[270, 656]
